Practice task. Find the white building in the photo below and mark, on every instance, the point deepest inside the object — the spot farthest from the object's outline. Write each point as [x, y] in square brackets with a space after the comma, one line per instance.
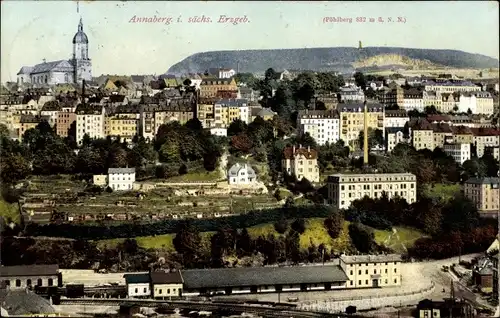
[467, 102]
[90, 121]
[241, 174]
[301, 162]
[121, 179]
[459, 151]
[351, 93]
[395, 118]
[322, 125]
[394, 136]
[413, 100]
[138, 285]
[226, 73]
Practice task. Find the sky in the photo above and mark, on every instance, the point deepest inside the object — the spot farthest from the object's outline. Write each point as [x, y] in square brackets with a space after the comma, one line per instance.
[37, 30]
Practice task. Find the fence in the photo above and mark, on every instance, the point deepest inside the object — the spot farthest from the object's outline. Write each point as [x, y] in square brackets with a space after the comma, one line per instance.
[368, 302]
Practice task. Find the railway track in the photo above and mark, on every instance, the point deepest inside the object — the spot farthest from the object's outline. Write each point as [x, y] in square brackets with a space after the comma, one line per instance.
[264, 311]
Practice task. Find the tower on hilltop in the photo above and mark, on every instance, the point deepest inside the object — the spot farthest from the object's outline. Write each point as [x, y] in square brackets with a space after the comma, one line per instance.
[360, 45]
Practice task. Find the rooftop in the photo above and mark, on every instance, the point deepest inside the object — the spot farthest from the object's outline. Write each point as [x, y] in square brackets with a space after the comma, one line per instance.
[484, 180]
[121, 170]
[29, 270]
[354, 259]
[252, 276]
[166, 278]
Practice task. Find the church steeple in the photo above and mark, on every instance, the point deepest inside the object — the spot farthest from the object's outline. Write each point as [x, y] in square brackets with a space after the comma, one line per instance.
[80, 25]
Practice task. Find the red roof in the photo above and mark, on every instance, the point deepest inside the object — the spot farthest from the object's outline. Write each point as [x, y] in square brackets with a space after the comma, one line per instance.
[485, 132]
[288, 152]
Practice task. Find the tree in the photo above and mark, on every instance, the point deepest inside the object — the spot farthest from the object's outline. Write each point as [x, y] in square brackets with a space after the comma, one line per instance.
[187, 242]
[244, 242]
[292, 243]
[13, 167]
[281, 226]
[360, 80]
[299, 225]
[195, 125]
[362, 237]
[236, 127]
[241, 144]
[334, 224]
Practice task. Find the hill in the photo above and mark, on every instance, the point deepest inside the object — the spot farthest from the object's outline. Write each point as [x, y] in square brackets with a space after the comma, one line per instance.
[342, 59]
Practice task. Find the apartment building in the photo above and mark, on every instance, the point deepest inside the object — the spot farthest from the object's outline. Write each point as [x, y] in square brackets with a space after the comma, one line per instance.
[395, 118]
[450, 102]
[422, 135]
[65, 119]
[147, 125]
[462, 135]
[228, 110]
[431, 98]
[459, 152]
[301, 162]
[372, 271]
[123, 123]
[322, 125]
[451, 86]
[51, 109]
[89, 121]
[442, 134]
[330, 100]
[484, 103]
[210, 87]
[352, 120]
[343, 189]
[484, 138]
[351, 94]
[392, 96]
[484, 192]
[394, 136]
[28, 122]
[413, 100]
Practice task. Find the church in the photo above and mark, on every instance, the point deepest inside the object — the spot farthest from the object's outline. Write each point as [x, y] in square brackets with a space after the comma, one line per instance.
[76, 70]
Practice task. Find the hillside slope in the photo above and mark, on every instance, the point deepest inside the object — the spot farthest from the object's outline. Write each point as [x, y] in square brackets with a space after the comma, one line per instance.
[343, 59]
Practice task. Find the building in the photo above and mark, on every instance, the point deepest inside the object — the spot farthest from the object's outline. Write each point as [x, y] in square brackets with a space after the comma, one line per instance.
[343, 189]
[351, 94]
[352, 120]
[121, 179]
[301, 162]
[322, 125]
[246, 280]
[413, 100]
[76, 70]
[432, 98]
[166, 284]
[26, 276]
[66, 118]
[241, 174]
[484, 138]
[372, 270]
[422, 135]
[218, 131]
[51, 109]
[228, 110]
[264, 113]
[450, 87]
[484, 193]
[442, 134]
[27, 122]
[447, 308]
[329, 101]
[210, 87]
[459, 152]
[138, 285]
[123, 123]
[89, 121]
[394, 136]
[395, 118]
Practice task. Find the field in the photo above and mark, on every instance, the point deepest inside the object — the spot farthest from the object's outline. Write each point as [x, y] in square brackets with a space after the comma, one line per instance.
[315, 233]
[160, 201]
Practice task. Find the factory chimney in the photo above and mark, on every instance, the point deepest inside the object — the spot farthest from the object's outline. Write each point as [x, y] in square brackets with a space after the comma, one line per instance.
[365, 135]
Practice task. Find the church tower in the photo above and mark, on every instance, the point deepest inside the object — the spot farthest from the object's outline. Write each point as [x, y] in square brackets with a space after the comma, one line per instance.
[81, 62]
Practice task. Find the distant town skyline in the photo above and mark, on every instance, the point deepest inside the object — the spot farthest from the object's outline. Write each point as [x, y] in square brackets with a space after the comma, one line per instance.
[144, 37]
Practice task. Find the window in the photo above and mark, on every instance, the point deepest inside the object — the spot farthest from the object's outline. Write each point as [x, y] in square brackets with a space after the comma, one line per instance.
[51, 282]
[351, 272]
[374, 271]
[136, 290]
[366, 272]
[351, 283]
[28, 282]
[359, 272]
[159, 291]
[168, 291]
[395, 281]
[145, 290]
[18, 283]
[7, 283]
[359, 282]
[39, 282]
[386, 270]
[386, 281]
[366, 282]
[395, 270]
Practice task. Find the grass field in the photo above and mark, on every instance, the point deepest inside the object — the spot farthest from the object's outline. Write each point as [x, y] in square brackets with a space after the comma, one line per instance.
[444, 192]
[9, 211]
[199, 176]
[315, 233]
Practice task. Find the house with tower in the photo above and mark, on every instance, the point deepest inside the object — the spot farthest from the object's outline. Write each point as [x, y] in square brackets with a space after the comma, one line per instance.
[74, 70]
